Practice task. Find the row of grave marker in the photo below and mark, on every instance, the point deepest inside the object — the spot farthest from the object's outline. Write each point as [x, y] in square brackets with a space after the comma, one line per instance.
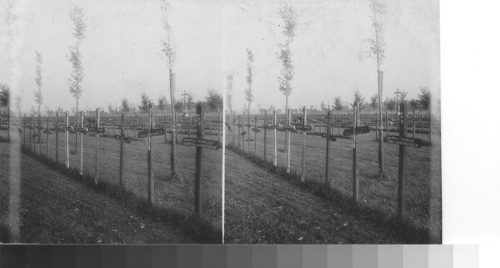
[199, 142]
[402, 140]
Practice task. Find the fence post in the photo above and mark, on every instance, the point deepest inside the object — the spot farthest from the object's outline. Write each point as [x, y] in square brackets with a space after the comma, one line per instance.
[57, 137]
[24, 132]
[150, 157]
[81, 144]
[355, 183]
[275, 147]
[402, 163]
[288, 141]
[219, 125]
[67, 140]
[327, 173]
[199, 157]
[30, 138]
[248, 131]
[47, 129]
[255, 136]
[413, 121]
[174, 127]
[304, 122]
[9, 121]
[234, 126]
[239, 131]
[97, 124]
[39, 134]
[122, 147]
[430, 125]
[265, 135]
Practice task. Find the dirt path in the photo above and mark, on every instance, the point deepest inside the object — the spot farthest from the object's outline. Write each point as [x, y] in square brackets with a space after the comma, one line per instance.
[57, 209]
[263, 208]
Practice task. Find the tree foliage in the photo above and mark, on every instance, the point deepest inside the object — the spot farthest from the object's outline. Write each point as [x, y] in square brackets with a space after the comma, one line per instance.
[4, 95]
[390, 104]
[78, 18]
[337, 104]
[145, 101]
[374, 102]
[424, 98]
[249, 77]
[162, 103]
[214, 101]
[167, 41]
[377, 44]
[289, 17]
[359, 100]
[38, 78]
[125, 106]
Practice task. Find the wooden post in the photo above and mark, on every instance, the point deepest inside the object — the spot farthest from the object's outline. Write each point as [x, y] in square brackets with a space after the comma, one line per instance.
[122, 147]
[275, 147]
[304, 122]
[327, 173]
[265, 135]
[57, 137]
[234, 126]
[47, 129]
[24, 132]
[355, 183]
[174, 127]
[255, 135]
[81, 144]
[199, 157]
[239, 131]
[248, 131]
[386, 124]
[288, 142]
[31, 137]
[430, 125]
[97, 124]
[376, 127]
[402, 163]
[150, 157]
[9, 121]
[413, 121]
[39, 134]
[220, 125]
[421, 125]
[67, 140]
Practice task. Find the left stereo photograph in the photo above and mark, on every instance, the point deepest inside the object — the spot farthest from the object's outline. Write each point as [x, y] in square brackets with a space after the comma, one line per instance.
[111, 122]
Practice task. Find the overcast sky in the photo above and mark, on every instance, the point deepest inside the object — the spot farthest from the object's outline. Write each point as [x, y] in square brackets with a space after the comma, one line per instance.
[121, 51]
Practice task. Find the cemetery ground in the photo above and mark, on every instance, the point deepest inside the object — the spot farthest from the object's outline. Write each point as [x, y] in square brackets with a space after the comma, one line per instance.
[174, 198]
[264, 204]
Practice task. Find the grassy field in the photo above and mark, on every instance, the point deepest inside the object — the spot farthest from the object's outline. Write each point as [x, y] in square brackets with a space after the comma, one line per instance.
[424, 175]
[55, 208]
[171, 194]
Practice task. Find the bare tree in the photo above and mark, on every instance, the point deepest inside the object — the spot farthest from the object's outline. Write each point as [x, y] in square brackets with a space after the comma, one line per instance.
[289, 16]
[378, 54]
[214, 101]
[374, 102]
[145, 101]
[78, 18]
[248, 90]
[38, 90]
[169, 55]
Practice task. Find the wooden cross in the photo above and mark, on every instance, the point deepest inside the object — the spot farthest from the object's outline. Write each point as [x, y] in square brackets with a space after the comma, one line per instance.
[397, 99]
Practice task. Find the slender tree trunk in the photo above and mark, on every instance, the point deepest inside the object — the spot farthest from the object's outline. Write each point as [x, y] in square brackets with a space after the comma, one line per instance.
[77, 125]
[286, 112]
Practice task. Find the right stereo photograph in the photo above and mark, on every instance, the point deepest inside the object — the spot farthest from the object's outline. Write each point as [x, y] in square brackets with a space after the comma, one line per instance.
[332, 122]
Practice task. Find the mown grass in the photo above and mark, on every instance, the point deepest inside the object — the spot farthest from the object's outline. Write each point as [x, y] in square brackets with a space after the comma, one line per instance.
[197, 229]
[405, 230]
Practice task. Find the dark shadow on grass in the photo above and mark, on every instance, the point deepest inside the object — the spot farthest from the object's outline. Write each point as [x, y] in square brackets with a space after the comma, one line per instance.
[198, 229]
[406, 231]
